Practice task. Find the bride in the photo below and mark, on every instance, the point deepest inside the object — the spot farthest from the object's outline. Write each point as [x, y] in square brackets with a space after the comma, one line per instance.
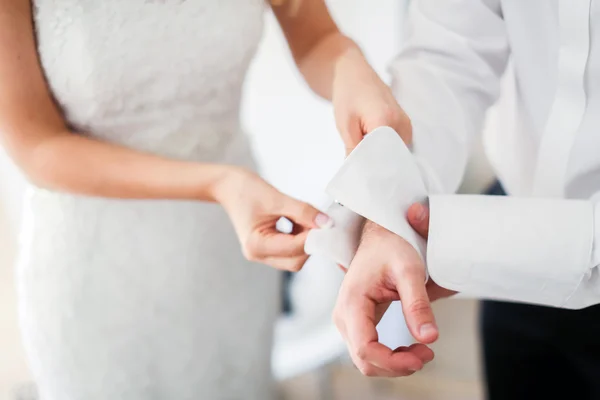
[124, 117]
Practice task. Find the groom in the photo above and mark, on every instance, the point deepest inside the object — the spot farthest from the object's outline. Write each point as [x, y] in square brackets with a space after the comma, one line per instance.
[544, 241]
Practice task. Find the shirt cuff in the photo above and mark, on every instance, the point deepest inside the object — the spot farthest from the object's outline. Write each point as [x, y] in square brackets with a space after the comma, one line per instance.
[526, 250]
[340, 242]
[379, 181]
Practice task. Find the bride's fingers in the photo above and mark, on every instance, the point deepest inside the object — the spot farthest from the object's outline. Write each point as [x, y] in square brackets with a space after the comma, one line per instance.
[271, 243]
[293, 264]
[305, 215]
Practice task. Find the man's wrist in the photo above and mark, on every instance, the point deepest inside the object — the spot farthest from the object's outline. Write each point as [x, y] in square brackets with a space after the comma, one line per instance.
[371, 229]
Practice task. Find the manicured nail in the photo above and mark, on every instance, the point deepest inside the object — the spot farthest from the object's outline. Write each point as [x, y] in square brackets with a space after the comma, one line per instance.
[427, 330]
[323, 221]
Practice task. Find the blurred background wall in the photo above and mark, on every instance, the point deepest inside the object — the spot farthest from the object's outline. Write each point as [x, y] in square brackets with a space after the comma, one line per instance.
[297, 145]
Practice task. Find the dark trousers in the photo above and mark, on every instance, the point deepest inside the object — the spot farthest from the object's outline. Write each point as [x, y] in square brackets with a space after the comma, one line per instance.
[532, 352]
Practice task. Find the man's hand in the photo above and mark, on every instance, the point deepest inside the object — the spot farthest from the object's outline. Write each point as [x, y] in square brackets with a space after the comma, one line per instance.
[387, 268]
[418, 217]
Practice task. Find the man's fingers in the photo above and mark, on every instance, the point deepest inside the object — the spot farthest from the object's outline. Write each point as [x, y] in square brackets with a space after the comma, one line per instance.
[364, 297]
[364, 342]
[424, 353]
[410, 282]
[420, 351]
[368, 369]
[418, 217]
[359, 321]
[408, 354]
[435, 292]
[385, 358]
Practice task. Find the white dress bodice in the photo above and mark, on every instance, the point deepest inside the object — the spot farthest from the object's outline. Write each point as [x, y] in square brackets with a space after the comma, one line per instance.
[158, 75]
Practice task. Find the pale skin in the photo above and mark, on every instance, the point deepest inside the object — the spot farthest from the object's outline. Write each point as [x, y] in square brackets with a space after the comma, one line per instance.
[386, 268]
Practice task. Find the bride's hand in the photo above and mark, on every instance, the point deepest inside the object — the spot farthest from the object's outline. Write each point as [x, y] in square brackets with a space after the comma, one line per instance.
[254, 207]
[363, 102]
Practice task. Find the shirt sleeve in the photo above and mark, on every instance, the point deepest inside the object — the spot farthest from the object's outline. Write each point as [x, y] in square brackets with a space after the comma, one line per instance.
[540, 251]
[446, 77]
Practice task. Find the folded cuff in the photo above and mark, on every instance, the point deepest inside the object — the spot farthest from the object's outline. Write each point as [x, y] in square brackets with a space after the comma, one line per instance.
[379, 181]
[340, 242]
[526, 250]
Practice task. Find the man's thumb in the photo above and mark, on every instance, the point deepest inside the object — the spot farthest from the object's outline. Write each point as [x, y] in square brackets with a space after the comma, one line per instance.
[418, 217]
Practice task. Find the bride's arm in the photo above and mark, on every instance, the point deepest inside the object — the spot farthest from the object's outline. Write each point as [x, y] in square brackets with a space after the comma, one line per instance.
[335, 68]
[36, 137]
[317, 45]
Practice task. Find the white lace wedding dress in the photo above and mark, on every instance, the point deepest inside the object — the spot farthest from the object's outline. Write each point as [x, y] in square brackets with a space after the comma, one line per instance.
[144, 300]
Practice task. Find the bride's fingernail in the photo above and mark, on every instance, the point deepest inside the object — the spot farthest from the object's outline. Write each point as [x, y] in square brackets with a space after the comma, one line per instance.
[323, 221]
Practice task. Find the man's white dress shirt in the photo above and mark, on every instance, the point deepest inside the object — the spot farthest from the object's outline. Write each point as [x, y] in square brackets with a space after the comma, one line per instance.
[542, 245]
